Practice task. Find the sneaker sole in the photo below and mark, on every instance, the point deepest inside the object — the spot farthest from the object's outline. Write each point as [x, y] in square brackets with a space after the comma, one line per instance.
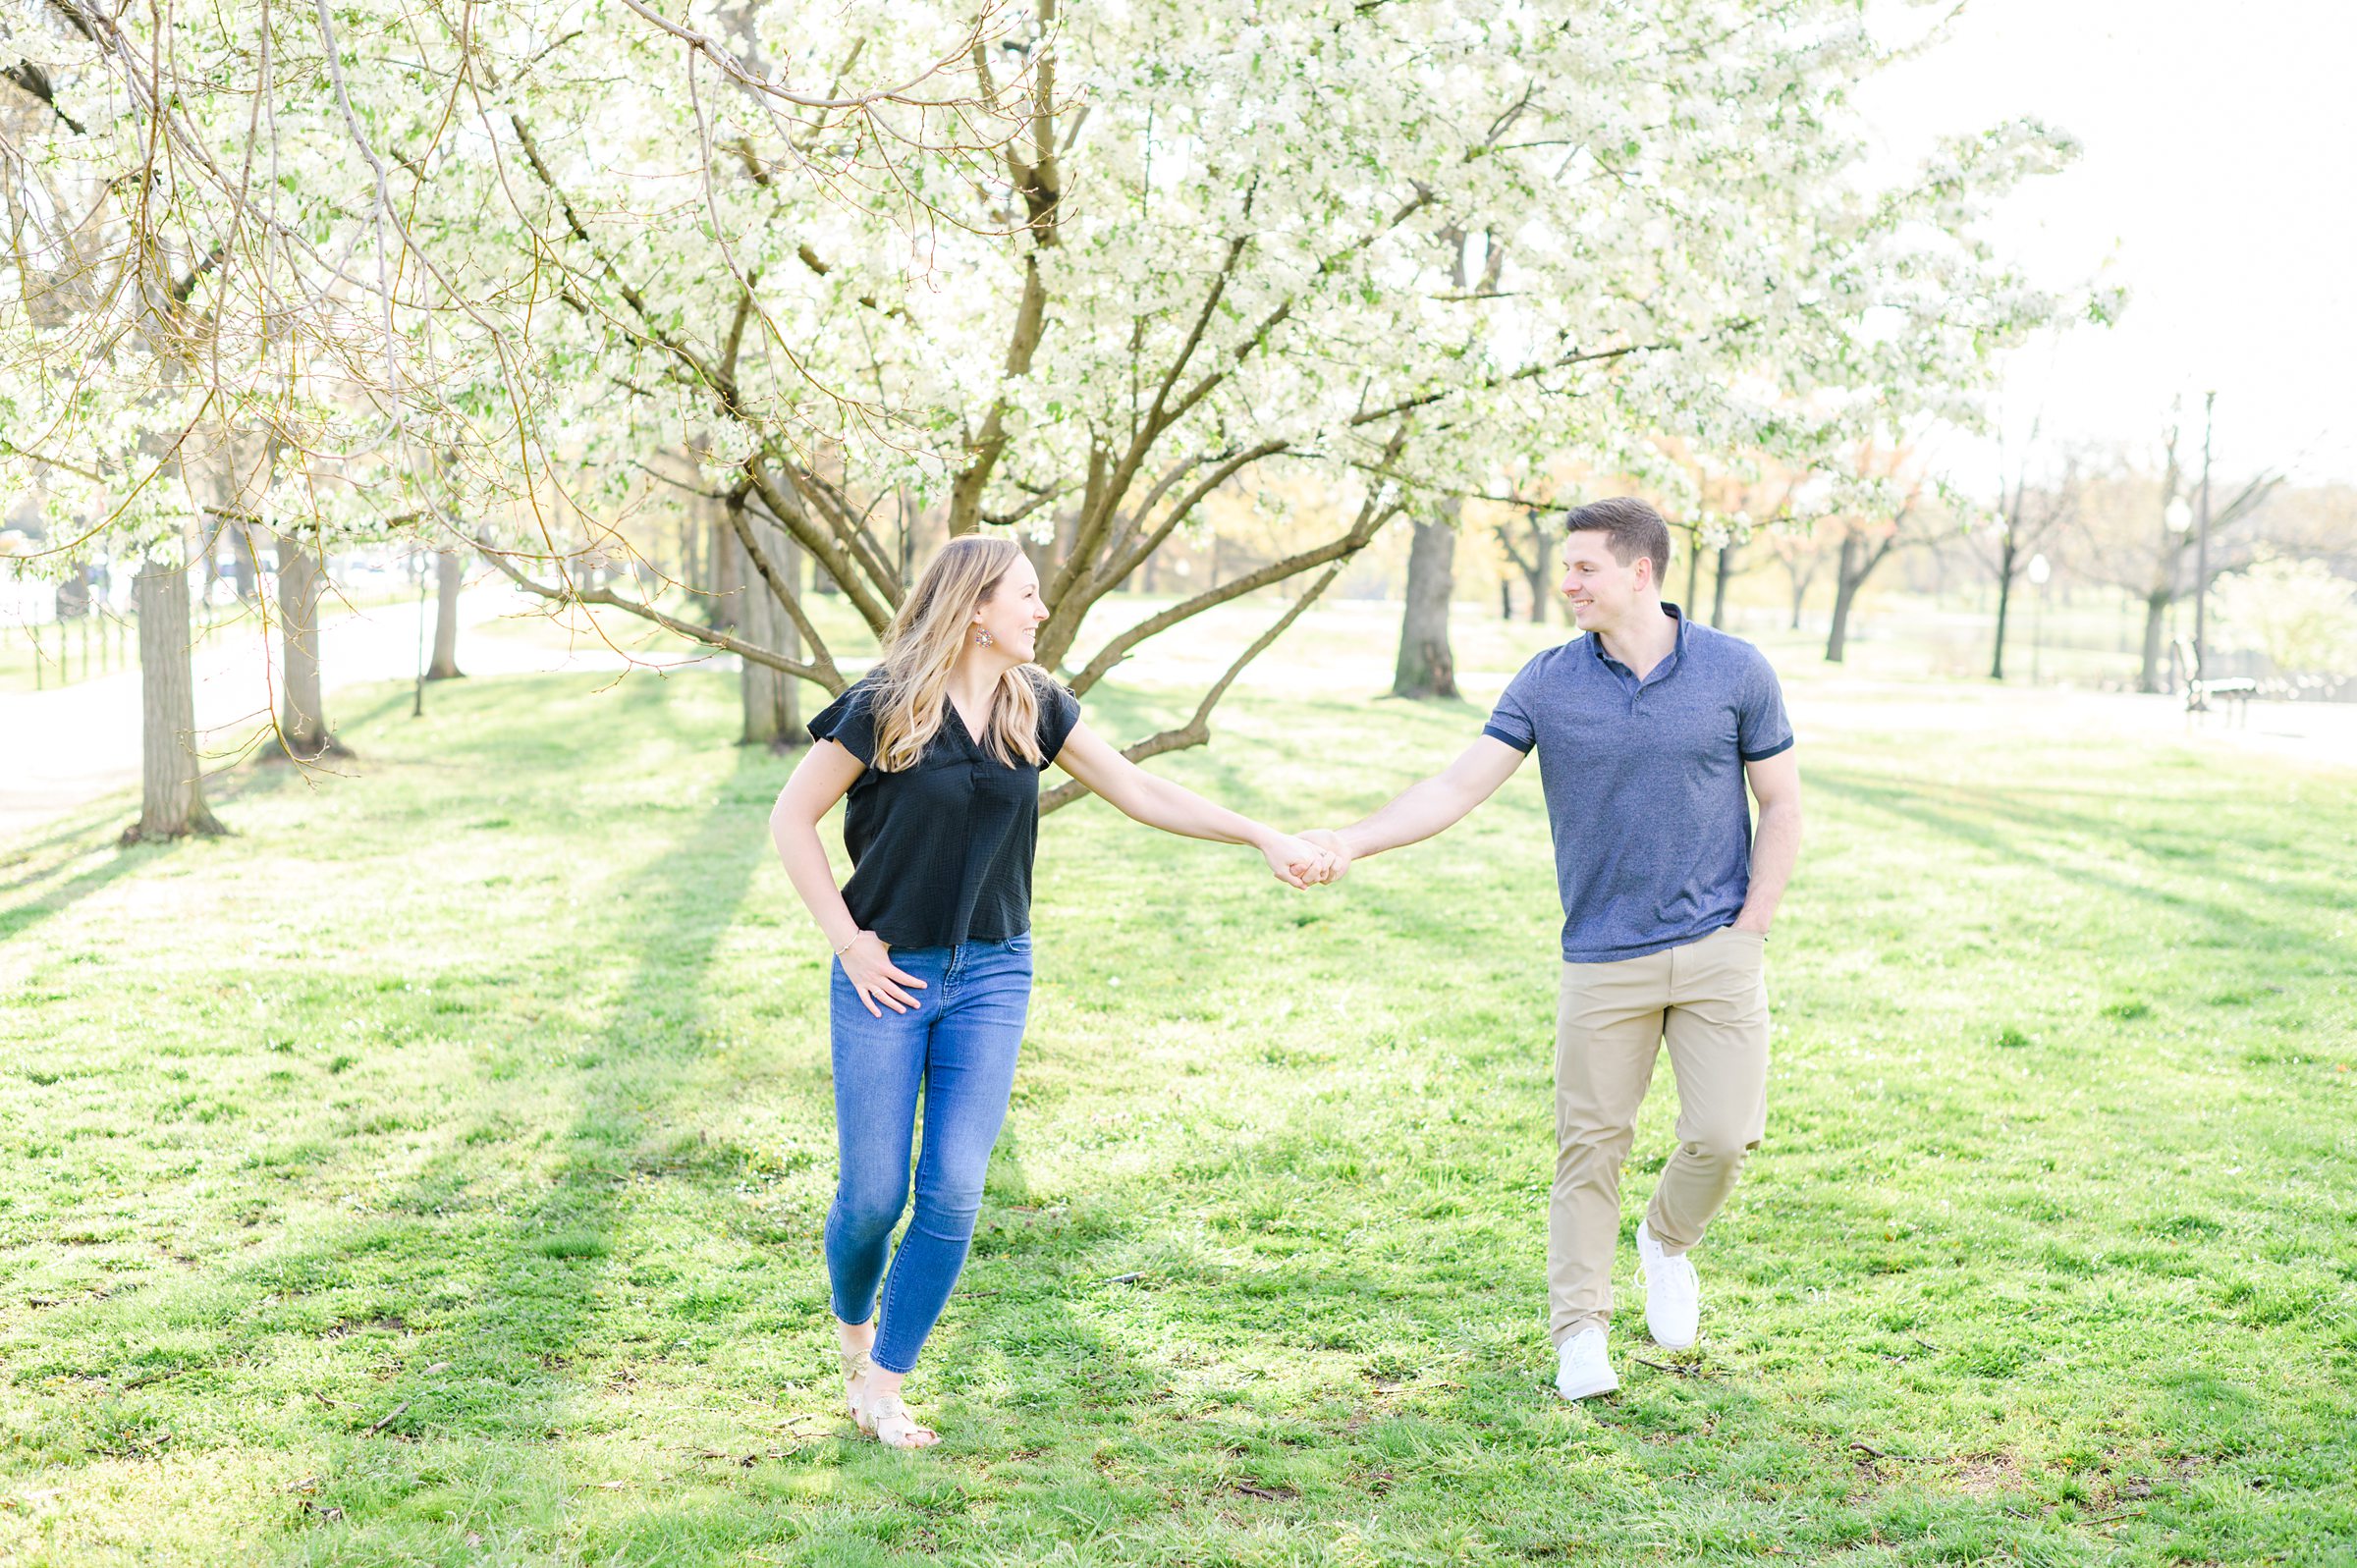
[1686, 1343]
[1609, 1384]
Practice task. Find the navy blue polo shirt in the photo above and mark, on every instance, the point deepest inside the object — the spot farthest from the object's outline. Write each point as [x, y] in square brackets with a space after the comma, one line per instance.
[1644, 784]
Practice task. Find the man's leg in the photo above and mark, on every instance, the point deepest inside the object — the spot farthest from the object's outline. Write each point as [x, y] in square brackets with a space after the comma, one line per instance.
[1718, 1037]
[1608, 1029]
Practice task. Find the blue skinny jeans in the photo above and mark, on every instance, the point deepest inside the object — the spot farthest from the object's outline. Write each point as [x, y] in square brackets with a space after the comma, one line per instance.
[959, 1046]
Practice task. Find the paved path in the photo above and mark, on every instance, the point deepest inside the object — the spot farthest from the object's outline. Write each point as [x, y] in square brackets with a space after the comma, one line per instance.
[62, 749]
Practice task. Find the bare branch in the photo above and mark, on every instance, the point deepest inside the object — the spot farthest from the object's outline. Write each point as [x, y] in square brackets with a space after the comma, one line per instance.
[1196, 731]
[573, 594]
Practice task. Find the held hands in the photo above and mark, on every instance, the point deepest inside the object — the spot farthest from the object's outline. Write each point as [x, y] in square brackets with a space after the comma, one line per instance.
[1337, 853]
[867, 964]
[1306, 860]
[1296, 862]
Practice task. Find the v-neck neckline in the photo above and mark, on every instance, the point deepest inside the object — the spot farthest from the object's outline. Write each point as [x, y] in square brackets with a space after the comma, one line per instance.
[963, 729]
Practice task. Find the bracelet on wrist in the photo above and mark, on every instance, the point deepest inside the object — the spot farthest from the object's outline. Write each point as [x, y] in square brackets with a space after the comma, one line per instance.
[846, 947]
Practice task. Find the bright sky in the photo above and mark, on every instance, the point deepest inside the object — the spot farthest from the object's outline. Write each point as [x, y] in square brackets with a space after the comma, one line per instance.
[2216, 180]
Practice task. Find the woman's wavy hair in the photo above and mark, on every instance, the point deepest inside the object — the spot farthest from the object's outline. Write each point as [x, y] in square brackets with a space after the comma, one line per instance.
[924, 642]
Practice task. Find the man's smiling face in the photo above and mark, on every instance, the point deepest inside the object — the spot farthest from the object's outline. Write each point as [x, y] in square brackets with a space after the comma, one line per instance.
[1598, 587]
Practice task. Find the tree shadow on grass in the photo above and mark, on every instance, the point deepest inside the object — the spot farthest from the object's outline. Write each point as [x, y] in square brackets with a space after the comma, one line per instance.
[472, 1427]
[2236, 928]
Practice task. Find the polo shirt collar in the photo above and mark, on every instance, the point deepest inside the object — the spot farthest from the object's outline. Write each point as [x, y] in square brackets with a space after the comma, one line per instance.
[1668, 660]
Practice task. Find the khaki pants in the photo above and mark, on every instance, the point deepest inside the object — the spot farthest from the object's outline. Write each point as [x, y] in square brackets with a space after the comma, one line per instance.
[1709, 1000]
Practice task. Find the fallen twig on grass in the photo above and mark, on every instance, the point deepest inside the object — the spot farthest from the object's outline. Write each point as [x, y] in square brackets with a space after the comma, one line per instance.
[1267, 1493]
[381, 1422]
[1867, 1449]
[1672, 1368]
[1122, 1280]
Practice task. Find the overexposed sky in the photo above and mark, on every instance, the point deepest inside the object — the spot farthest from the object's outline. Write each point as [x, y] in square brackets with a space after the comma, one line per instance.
[2218, 181]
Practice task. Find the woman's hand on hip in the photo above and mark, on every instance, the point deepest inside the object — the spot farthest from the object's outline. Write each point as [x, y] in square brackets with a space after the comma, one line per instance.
[867, 964]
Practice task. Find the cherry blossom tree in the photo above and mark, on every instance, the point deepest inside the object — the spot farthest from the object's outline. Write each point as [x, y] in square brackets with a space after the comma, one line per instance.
[894, 271]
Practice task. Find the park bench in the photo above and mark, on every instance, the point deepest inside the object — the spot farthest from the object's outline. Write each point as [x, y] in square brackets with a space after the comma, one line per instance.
[2235, 691]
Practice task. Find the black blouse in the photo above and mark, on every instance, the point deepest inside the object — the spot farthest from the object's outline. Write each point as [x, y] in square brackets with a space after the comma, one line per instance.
[941, 852]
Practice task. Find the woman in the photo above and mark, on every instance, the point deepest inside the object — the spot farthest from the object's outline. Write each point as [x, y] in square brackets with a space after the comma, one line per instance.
[940, 748]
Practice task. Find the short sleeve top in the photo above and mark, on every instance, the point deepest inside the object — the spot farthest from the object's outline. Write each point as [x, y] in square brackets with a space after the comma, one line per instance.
[1645, 784]
[942, 851]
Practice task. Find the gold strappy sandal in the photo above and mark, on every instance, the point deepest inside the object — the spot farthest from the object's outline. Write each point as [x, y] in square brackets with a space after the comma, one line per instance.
[855, 1367]
[889, 1418]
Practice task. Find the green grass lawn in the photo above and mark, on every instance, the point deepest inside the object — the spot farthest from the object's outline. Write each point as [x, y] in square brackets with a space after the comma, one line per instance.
[433, 1172]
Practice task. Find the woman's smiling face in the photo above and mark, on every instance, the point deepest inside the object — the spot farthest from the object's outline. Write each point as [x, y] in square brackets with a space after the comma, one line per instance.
[1012, 613]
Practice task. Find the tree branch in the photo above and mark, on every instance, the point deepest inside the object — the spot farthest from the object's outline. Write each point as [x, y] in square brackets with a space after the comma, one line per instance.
[1196, 731]
[570, 594]
[822, 660]
[1375, 511]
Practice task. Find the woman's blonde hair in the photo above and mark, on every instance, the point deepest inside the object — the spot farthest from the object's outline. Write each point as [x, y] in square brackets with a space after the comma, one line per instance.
[924, 642]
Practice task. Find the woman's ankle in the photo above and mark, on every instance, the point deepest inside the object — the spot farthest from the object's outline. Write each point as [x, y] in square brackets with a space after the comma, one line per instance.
[855, 1335]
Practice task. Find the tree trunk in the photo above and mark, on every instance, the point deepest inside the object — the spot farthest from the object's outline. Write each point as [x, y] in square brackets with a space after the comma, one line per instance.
[727, 605]
[2004, 602]
[1727, 562]
[302, 714]
[1425, 668]
[171, 783]
[1847, 579]
[771, 699]
[450, 574]
[1693, 568]
[1506, 598]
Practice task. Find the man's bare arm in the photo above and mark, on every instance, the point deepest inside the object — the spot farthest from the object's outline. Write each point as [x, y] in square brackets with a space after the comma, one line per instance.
[1429, 806]
[1776, 841]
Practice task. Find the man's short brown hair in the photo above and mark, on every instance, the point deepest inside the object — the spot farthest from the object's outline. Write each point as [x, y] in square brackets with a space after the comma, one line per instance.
[1631, 527]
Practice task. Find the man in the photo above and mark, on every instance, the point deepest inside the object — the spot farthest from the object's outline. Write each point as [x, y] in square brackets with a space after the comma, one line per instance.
[1647, 729]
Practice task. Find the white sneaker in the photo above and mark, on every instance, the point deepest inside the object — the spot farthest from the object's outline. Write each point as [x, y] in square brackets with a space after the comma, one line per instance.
[1584, 1369]
[1672, 1295]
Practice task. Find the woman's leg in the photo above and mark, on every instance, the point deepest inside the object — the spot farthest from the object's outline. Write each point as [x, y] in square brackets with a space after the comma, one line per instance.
[879, 1062]
[969, 1071]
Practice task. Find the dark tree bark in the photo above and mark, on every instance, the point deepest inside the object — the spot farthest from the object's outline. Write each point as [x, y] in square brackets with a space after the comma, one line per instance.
[1857, 562]
[1426, 668]
[1535, 566]
[2008, 553]
[171, 781]
[450, 576]
[1725, 569]
[303, 712]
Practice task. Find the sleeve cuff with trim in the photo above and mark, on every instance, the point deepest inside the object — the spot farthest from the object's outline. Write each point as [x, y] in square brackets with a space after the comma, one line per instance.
[1517, 741]
[1782, 745]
